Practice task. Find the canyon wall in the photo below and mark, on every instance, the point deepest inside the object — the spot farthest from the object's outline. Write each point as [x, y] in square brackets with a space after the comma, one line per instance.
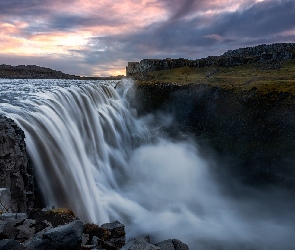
[265, 56]
[252, 134]
[16, 178]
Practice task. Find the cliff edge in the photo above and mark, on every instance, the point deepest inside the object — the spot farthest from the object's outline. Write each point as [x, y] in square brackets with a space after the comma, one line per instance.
[16, 178]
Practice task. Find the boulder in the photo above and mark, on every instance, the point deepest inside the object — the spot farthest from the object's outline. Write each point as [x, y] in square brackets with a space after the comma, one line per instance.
[140, 243]
[9, 223]
[173, 244]
[116, 234]
[10, 244]
[5, 200]
[68, 236]
[110, 236]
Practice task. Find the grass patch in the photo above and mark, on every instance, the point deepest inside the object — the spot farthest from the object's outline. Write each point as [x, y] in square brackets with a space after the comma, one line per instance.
[239, 78]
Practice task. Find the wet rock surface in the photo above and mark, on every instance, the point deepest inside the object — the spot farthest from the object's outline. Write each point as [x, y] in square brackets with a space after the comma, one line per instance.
[16, 178]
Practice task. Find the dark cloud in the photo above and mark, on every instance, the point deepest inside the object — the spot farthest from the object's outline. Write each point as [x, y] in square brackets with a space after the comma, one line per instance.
[260, 20]
[25, 7]
[186, 32]
[70, 21]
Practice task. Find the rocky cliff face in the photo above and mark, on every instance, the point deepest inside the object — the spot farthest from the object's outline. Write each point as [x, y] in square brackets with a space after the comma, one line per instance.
[255, 132]
[16, 179]
[265, 56]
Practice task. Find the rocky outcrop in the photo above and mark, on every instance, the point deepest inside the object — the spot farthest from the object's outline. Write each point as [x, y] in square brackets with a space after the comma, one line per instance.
[60, 229]
[16, 179]
[57, 229]
[264, 56]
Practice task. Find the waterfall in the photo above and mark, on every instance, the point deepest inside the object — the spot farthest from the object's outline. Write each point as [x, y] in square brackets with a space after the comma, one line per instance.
[79, 140]
[90, 153]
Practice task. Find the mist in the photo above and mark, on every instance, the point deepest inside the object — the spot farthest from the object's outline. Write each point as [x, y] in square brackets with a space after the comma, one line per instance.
[180, 192]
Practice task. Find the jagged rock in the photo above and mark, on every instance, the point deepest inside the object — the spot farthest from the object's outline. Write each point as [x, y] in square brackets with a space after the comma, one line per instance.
[68, 236]
[140, 243]
[10, 244]
[8, 224]
[15, 173]
[173, 244]
[56, 217]
[5, 200]
[116, 234]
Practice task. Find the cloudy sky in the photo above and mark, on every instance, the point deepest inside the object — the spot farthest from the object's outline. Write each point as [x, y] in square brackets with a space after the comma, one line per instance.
[99, 37]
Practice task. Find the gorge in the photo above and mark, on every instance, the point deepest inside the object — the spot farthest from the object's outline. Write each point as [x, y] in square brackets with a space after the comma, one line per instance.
[210, 165]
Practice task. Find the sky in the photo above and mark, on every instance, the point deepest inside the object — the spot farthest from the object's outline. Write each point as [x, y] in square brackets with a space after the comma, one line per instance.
[99, 37]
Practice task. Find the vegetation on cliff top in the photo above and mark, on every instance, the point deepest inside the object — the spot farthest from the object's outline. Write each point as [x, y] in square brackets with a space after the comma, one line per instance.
[238, 78]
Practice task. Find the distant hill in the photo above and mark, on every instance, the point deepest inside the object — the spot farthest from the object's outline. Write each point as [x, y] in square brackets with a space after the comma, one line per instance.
[37, 72]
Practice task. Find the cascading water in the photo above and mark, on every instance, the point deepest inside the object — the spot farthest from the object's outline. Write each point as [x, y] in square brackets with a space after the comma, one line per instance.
[92, 155]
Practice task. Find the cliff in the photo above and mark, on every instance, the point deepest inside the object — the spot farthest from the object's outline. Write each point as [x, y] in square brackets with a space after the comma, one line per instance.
[252, 134]
[240, 104]
[16, 179]
[265, 56]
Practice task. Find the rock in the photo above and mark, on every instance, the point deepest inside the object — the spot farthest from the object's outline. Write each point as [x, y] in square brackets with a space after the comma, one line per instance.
[265, 56]
[140, 243]
[9, 223]
[173, 244]
[116, 235]
[15, 172]
[68, 236]
[10, 244]
[55, 216]
[5, 200]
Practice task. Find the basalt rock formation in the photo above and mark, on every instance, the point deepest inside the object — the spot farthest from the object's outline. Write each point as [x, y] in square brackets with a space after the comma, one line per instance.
[265, 56]
[254, 132]
[16, 179]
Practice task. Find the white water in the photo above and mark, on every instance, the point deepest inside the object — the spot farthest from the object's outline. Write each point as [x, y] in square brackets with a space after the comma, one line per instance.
[92, 155]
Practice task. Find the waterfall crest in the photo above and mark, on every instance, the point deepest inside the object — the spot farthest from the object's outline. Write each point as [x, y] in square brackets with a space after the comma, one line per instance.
[79, 140]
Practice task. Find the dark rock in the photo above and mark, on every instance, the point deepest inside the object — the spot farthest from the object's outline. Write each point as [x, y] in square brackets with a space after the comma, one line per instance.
[10, 244]
[140, 243]
[15, 173]
[5, 200]
[173, 244]
[252, 134]
[264, 56]
[57, 217]
[68, 236]
[116, 235]
[9, 223]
